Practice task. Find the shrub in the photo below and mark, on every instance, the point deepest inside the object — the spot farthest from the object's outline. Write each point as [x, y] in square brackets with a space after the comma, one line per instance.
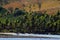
[32, 22]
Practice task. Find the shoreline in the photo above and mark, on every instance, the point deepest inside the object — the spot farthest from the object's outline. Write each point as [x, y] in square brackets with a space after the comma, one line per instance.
[26, 35]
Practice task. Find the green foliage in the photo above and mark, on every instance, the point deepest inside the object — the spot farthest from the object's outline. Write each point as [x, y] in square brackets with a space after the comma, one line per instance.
[3, 11]
[24, 22]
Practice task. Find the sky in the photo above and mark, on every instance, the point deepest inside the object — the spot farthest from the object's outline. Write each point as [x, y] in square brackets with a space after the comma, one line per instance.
[27, 39]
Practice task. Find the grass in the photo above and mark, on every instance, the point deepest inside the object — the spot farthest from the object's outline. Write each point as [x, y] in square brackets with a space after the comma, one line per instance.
[50, 6]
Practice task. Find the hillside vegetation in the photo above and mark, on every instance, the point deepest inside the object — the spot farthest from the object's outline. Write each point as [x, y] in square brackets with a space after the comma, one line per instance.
[34, 5]
[30, 16]
[20, 21]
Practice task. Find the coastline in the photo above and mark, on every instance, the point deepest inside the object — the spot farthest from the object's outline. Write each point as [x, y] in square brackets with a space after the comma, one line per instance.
[26, 35]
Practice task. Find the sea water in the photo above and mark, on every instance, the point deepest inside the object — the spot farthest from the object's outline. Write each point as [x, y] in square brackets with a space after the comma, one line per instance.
[29, 39]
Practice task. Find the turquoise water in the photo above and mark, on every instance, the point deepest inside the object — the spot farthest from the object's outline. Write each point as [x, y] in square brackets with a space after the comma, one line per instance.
[28, 39]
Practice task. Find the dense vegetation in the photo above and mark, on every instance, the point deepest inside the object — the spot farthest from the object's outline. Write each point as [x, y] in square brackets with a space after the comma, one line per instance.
[34, 22]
